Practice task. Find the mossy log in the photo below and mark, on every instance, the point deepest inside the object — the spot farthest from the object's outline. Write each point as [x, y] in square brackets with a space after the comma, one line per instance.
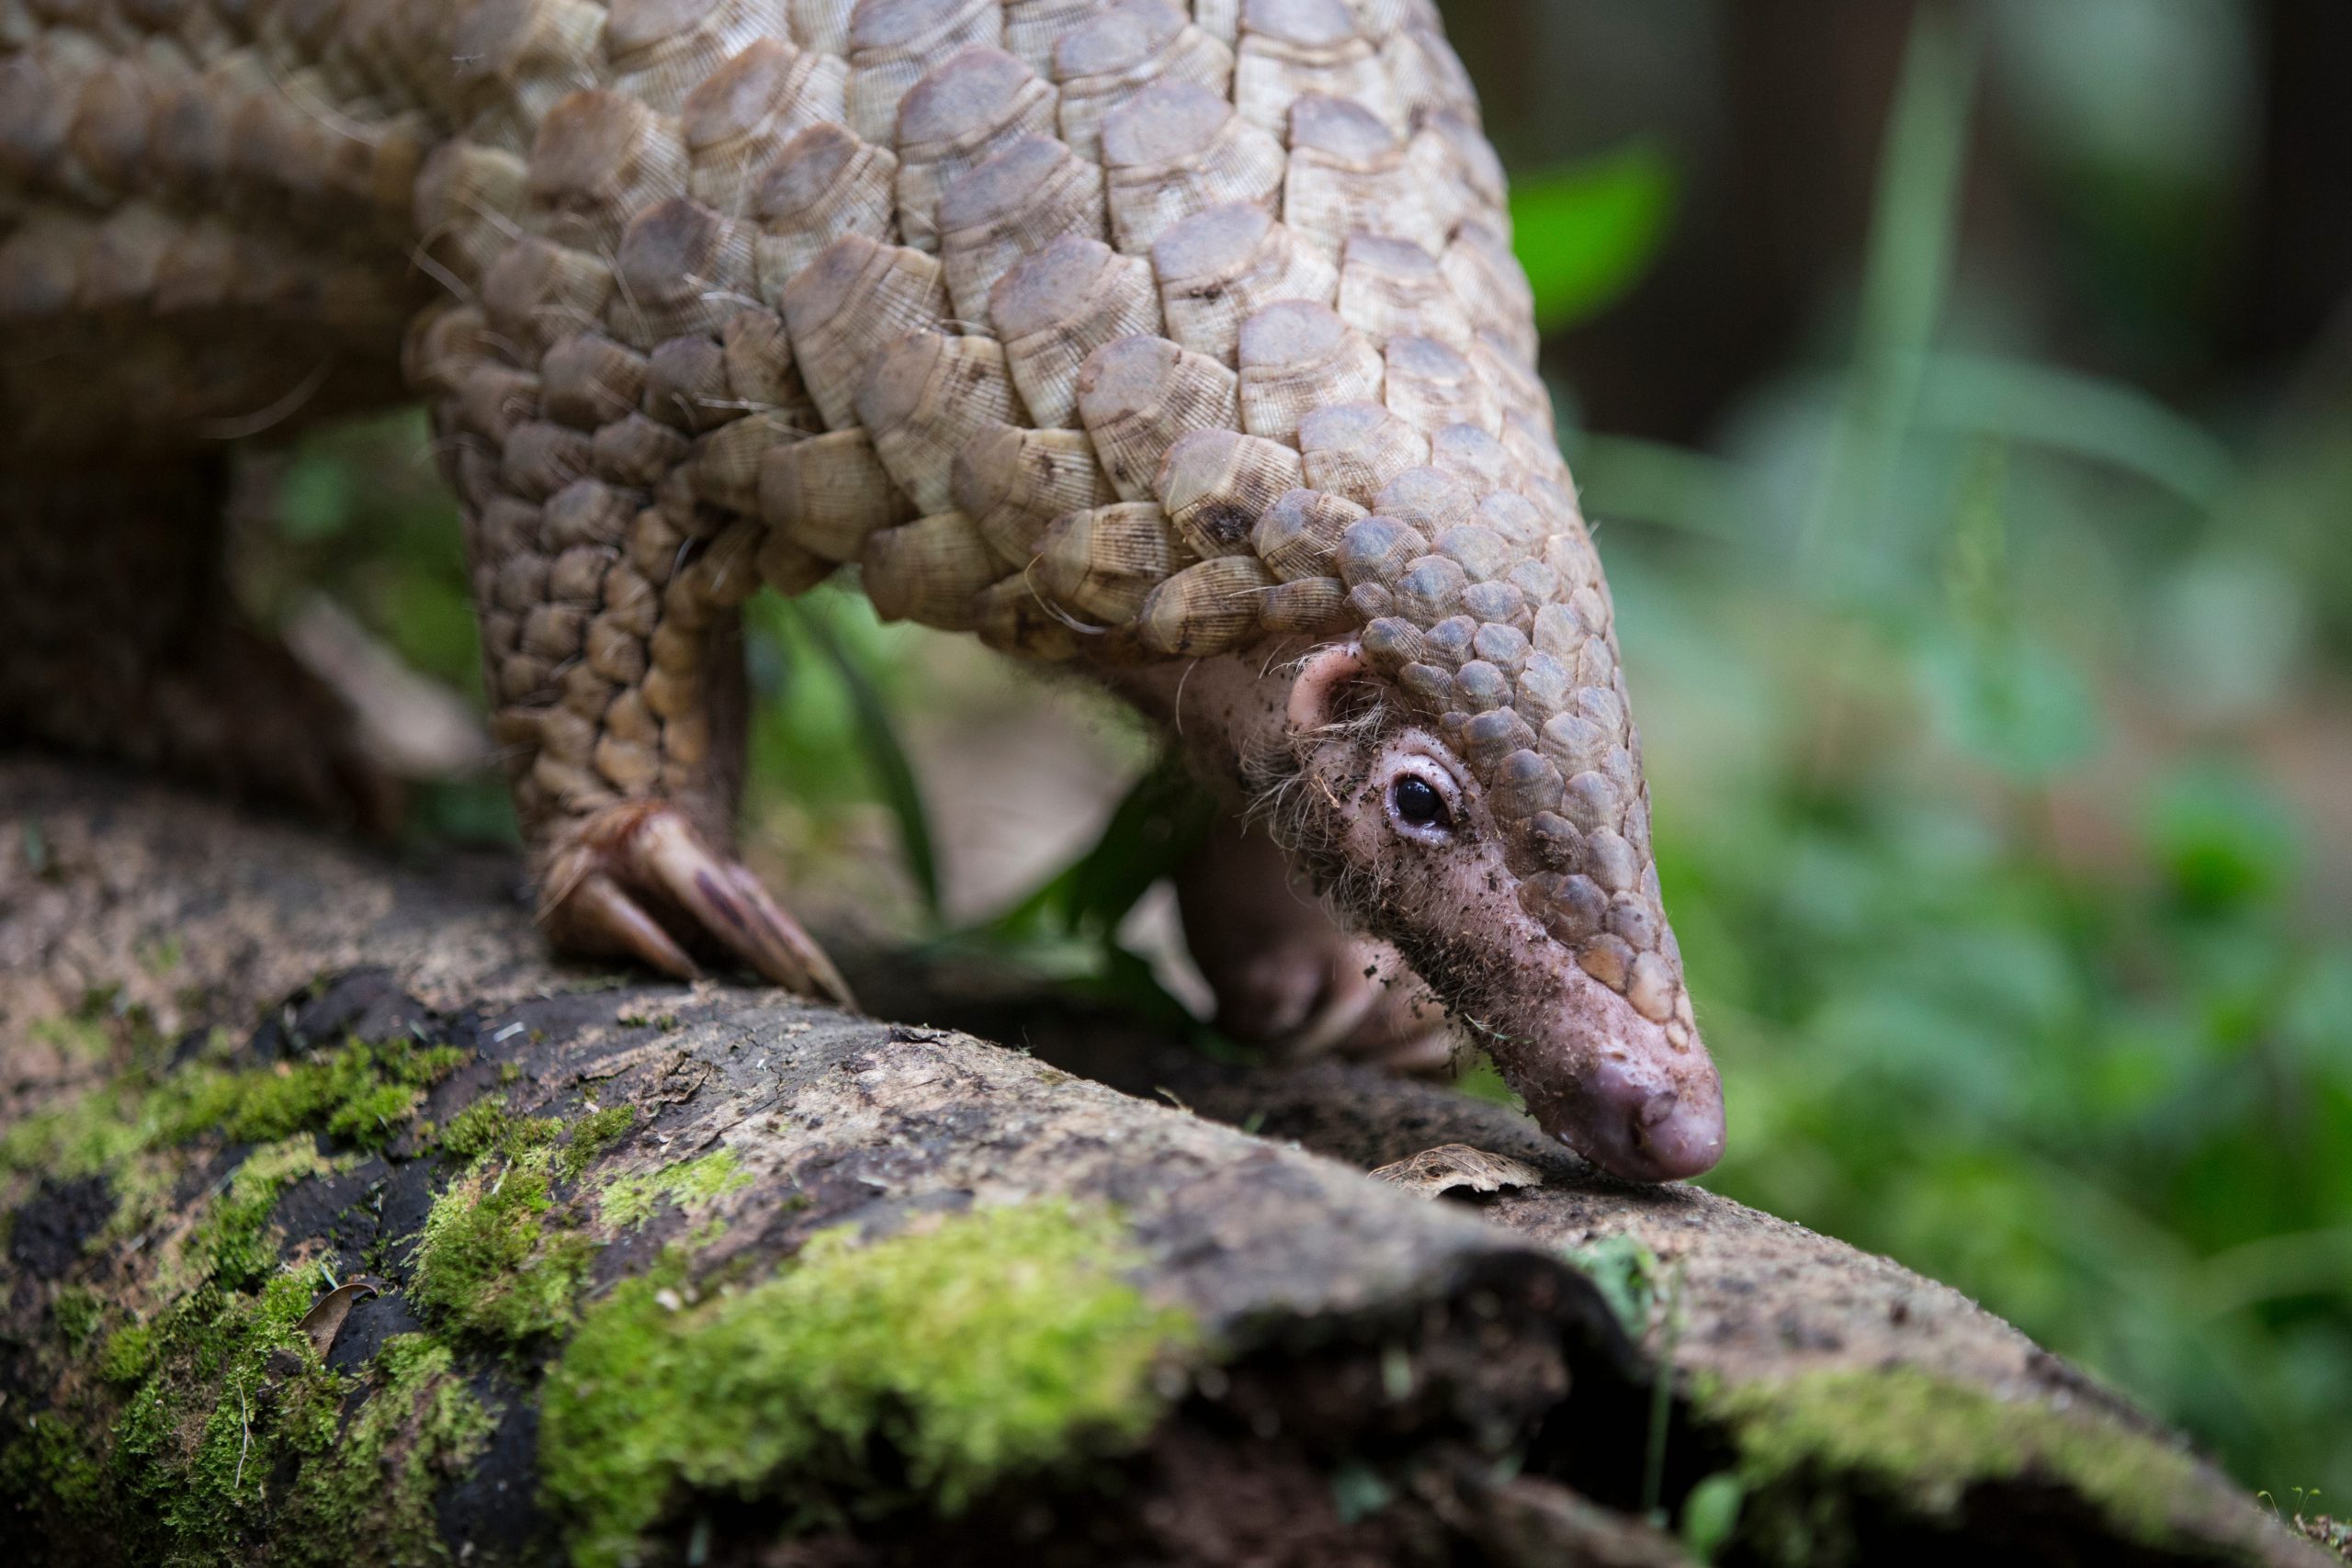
[344, 1225]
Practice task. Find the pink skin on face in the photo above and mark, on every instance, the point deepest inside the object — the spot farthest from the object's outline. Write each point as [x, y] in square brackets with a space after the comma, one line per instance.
[1594, 1072]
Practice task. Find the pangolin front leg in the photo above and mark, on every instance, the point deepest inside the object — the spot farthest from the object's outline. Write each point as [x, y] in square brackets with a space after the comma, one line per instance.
[607, 595]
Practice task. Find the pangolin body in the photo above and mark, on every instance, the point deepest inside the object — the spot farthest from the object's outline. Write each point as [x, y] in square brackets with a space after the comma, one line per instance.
[1124, 334]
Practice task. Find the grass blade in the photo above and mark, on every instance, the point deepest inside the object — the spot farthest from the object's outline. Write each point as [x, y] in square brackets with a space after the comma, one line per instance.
[1907, 271]
[894, 776]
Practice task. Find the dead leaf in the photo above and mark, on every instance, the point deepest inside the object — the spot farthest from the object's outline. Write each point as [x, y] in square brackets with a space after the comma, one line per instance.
[1433, 1172]
[325, 1320]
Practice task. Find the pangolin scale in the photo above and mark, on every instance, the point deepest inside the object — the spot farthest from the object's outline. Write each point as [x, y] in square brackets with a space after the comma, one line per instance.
[1181, 345]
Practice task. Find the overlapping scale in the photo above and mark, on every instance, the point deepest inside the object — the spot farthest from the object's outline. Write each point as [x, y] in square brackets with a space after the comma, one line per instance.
[1103, 329]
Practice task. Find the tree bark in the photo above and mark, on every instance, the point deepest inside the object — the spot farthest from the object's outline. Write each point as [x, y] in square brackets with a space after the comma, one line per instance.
[1296, 1364]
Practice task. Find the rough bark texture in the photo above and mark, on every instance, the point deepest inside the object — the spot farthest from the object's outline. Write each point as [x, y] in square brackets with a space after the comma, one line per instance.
[1286, 1362]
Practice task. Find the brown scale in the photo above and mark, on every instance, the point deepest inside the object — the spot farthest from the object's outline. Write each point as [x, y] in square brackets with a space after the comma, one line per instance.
[821, 185]
[1030, 195]
[1033, 28]
[1056, 305]
[1013, 483]
[893, 42]
[1177, 149]
[740, 118]
[1218, 268]
[961, 113]
[1391, 287]
[1119, 50]
[1296, 355]
[1347, 177]
[1109, 330]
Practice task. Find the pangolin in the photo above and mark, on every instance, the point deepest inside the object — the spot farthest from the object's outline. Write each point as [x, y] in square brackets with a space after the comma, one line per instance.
[1184, 347]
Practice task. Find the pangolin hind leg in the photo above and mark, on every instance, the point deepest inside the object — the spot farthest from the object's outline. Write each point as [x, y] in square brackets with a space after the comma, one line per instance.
[119, 637]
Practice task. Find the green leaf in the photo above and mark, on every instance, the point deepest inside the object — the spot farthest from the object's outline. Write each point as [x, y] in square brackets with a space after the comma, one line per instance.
[878, 738]
[1358, 1492]
[1153, 827]
[2064, 410]
[1711, 1514]
[1626, 1271]
[2224, 841]
[316, 498]
[1586, 231]
[1915, 227]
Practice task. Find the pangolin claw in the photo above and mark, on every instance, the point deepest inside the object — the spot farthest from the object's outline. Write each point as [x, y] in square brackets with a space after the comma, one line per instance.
[637, 879]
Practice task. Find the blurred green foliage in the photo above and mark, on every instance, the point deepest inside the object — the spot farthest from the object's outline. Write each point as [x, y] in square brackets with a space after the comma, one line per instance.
[1071, 925]
[2017, 965]
[826, 675]
[1975, 691]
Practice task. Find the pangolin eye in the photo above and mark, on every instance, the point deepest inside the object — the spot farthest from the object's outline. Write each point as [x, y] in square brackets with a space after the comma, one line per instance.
[1419, 803]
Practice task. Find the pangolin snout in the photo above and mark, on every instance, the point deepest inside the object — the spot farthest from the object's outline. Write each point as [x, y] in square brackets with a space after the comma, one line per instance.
[1643, 1114]
[1611, 1084]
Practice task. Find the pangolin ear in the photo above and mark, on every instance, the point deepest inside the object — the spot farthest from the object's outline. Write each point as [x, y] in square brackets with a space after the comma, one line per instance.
[1315, 698]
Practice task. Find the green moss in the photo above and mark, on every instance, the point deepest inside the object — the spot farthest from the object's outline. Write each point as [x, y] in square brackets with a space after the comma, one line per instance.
[1926, 1440]
[236, 1389]
[1626, 1271]
[419, 1428]
[232, 1243]
[218, 1390]
[94, 1132]
[591, 1134]
[129, 1354]
[372, 1117]
[488, 1265]
[236, 1433]
[630, 1201]
[142, 1187]
[78, 1312]
[2332, 1533]
[1001, 1341]
[478, 1129]
[78, 1038]
[53, 1459]
[487, 1127]
[361, 1093]
[182, 1445]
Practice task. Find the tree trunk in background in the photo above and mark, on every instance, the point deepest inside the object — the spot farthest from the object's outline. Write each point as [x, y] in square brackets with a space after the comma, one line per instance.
[2298, 265]
[703, 1274]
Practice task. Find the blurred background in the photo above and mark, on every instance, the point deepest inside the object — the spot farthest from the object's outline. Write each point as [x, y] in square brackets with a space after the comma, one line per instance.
[1964, 396]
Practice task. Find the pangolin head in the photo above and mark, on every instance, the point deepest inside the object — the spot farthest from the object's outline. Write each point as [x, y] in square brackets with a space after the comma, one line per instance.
[1462, 779]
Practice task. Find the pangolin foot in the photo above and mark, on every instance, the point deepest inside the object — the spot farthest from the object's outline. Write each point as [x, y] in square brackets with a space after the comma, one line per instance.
[1286, 977]
[1350, 999]
[637, 880]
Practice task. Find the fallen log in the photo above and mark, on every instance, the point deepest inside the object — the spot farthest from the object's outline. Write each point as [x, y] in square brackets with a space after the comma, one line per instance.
[342, 1224]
